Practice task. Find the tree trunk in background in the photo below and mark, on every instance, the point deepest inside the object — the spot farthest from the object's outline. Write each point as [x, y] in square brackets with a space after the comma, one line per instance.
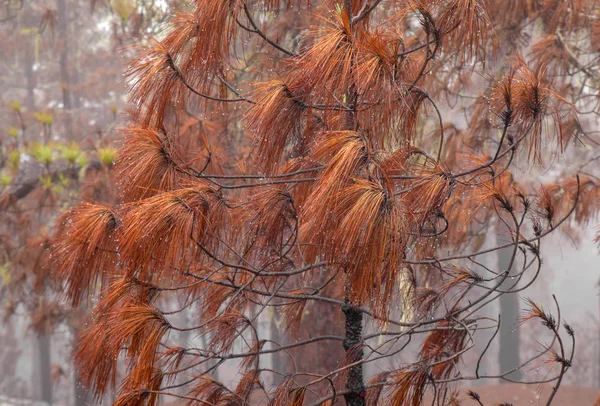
[598, 346]
[74, 77]
[277, 358]
[45, 367]
[64, 64]
[321, 358]
[213, 372]
[509, 345]
[185, 340]
[488, 365]
[42, 366]
[30, 79]
[82, 394]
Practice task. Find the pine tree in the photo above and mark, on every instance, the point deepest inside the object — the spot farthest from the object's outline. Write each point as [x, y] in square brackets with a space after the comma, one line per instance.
[337, 162]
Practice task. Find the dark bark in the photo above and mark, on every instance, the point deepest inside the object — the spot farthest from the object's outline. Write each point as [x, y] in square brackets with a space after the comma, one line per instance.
[352, 344]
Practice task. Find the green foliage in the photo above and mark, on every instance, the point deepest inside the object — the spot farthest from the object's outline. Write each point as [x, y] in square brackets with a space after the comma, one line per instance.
[15, 105]
[83, 160]
[44, 117]
[124, 8]
[5, 275]
[14, 157]
[28, 31]
[45, 181]
[70, 153]
[43, 153]
[64, 180]
[13, 132]
[107, 155]
[5, 179]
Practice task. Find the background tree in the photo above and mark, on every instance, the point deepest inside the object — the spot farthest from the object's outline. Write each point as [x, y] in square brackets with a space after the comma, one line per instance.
[61, 89]
[302, 175]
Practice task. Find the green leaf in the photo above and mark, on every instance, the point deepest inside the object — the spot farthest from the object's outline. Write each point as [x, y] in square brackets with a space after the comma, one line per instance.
[14, 158]
[5, 179]
[107, 155]
[43, 154]
[13, 132]
[45, 181]
[44, 117]
[70, 153]
[15, 105]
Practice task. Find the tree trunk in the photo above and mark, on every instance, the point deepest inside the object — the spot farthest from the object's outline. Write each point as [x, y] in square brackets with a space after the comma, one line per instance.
[354, 381]
[44, 361]
[318, 319]
[598, 348]
[509, 345]
[30, 79]
[45, 368]
[277, 358]
[82, 394]
[64, 64]
[75, 73]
